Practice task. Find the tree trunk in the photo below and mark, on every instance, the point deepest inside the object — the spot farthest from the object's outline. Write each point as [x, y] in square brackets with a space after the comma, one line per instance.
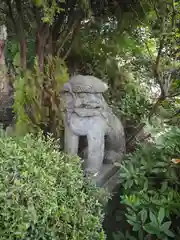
[23, 52]
[3, 78]
[41, 40]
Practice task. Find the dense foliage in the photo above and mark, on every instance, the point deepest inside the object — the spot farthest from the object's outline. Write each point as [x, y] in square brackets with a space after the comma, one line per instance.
[134, 47]
[37, 99]
[136, 52]
[151, 185]
[44, 194]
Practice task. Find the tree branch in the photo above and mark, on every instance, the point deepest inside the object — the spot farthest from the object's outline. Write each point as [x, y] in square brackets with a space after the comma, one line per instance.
[10, 13]
[75, 25]
[164, 85]
[174, 115]
[41, 39]
[157, 66]
[69, 8]
[22, 43]
[76, 30]
[3, 11]
[173, 95]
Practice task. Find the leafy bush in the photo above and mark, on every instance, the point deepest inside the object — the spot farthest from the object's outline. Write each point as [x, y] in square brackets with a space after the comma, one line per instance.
[151, 190]
[37, 102]
[43, 194]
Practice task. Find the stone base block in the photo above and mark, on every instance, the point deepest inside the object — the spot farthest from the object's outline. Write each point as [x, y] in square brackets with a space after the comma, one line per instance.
[107, 177]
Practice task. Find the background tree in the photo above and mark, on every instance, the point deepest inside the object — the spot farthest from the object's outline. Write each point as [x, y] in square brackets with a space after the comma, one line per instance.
[132, 45]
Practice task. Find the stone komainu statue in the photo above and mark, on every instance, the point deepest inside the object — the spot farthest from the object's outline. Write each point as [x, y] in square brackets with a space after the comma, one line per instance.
[88, 114]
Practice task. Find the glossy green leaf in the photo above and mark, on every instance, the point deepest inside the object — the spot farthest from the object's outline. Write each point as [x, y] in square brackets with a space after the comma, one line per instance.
[161, 215]
[165, 225]
[169, 233]
[144, 215]
[151, 228]
[153, 218]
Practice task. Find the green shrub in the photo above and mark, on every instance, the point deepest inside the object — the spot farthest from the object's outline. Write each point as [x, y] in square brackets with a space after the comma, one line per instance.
[43, 194]
[151, 190]
[37, 102]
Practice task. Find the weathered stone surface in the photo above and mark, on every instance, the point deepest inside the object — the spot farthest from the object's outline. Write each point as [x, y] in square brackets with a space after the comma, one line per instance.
[88, 114]
[86, 84]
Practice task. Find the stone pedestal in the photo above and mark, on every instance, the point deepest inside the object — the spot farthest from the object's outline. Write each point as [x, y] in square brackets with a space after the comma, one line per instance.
[107, 178]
